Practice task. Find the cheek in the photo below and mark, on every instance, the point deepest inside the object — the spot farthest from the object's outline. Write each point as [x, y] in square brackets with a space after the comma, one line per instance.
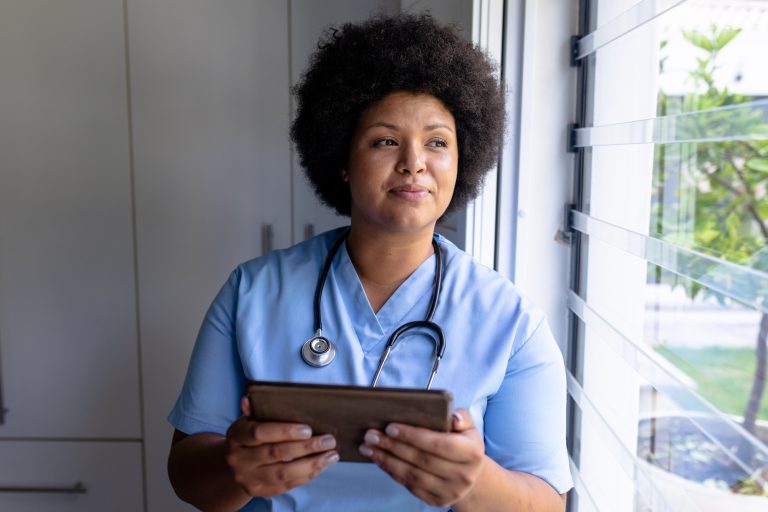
[446, 172]
[361, 188]
[446, 163]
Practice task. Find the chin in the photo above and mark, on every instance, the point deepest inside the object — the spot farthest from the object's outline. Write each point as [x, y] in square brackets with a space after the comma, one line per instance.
[411, 226]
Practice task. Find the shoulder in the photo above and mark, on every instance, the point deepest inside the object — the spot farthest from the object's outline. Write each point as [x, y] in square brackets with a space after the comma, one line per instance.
[470, 275]
[488, 296]
[287, 265]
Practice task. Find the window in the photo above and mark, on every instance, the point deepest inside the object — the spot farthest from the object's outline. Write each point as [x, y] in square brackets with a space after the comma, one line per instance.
[669, 294]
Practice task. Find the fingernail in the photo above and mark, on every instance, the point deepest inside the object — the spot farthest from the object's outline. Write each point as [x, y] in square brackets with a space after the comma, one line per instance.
[303, 432]
[372, 438]
[392, 431]
[327, 442]
[456, 417]
[367, 452]
[331, 458]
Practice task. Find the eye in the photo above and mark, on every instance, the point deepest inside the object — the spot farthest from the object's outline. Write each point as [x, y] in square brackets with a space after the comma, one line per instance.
[384, 142]
[437, 143]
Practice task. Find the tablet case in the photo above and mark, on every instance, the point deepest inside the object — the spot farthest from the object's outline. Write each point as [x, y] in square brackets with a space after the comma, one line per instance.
[347, 412]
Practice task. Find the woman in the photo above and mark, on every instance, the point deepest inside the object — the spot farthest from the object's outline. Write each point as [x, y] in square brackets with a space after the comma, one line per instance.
[398, 121]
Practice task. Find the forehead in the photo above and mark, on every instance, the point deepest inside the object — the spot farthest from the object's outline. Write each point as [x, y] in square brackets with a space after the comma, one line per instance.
[405, 106]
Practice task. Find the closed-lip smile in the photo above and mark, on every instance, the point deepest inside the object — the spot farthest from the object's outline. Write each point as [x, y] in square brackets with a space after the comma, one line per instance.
[410, 192]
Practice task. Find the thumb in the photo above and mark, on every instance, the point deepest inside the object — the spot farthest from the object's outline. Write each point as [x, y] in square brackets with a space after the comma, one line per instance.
[462, 421]
[245, 406]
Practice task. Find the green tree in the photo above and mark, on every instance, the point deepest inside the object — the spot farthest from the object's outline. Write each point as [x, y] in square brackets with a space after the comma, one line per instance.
[729, 179]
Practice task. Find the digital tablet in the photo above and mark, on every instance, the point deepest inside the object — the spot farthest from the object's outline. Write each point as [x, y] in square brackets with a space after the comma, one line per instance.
[347, 412]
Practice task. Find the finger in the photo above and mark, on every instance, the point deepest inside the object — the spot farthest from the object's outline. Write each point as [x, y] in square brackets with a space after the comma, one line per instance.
[247, 432]
[427, 461]
[451, 446]
[289, 451]
[419, 482]
[271, 480]
[245, 406]
[462, 421]
[305, 469]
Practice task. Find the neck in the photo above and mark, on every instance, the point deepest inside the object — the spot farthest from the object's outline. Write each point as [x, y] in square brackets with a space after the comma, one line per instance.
[383, 261]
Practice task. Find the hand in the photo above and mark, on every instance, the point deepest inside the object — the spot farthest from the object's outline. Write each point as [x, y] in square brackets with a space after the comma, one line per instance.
[438, 468]
[268, 459]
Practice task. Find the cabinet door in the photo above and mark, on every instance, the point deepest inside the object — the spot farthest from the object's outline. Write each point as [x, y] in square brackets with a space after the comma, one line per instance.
[68, 347]
[309, 19]
[210, 104]
[42, 476]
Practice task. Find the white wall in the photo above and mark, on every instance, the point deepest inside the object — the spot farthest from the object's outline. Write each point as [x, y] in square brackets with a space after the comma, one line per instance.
[541, 263]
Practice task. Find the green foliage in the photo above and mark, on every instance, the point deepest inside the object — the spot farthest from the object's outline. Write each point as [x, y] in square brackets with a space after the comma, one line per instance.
[717, 203]
[713, 42]
[758, 164]
[715, 199]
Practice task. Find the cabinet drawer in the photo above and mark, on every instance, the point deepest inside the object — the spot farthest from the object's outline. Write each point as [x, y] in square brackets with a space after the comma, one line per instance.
[36, 475]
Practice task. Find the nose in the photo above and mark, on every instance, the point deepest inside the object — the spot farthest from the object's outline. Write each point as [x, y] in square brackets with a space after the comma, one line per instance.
[412, 159]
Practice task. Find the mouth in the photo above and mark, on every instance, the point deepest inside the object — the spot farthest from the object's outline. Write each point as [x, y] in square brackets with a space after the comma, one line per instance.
[410, 192]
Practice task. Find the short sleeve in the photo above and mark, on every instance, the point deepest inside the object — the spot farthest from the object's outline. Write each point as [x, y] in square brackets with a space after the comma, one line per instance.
[210, 398]
[525, 419]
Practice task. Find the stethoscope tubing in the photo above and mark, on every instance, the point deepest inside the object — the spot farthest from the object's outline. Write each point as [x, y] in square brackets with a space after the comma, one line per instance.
[327, 353]
[321, 280]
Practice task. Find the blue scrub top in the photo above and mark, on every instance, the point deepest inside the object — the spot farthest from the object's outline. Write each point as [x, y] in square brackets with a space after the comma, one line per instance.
[501, 362]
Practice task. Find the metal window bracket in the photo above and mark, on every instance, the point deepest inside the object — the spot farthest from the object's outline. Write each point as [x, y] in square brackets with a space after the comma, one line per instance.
[571, 138]
[566, 233]
[575, 60]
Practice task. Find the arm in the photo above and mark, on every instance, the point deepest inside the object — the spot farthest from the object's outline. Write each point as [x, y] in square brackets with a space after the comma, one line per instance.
[524, 429]
[229, 459]
[200, 475]
[219, 473]
[501, 489]
[445, 469]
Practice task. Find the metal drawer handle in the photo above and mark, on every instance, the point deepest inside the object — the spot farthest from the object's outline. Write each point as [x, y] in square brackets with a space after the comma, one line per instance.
[309, 231]
[76, 488]
[3, 410]
[267, 238]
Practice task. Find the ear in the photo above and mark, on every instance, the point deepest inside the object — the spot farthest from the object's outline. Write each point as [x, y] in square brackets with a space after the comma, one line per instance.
[344, 175]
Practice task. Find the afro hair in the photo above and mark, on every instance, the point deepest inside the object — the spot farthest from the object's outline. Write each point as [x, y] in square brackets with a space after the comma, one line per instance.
[359, 64]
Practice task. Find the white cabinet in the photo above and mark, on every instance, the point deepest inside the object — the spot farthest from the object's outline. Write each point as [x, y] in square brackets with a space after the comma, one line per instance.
[68, 345]
[69, 366]
[42, 476]
[210, 114]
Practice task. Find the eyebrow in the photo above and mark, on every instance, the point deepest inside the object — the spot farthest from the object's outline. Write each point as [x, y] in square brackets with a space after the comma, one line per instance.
[391, 126]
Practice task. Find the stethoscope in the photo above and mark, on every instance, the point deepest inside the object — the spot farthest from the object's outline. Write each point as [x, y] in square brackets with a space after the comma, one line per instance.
[318, 351]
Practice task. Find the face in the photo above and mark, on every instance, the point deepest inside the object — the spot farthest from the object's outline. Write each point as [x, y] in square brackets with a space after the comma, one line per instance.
[402, 164]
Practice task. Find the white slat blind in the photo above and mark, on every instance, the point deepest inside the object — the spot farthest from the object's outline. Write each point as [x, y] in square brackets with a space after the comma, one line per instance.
[669, 294]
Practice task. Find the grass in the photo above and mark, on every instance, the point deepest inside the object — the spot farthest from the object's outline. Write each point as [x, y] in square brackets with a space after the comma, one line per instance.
[723, 375]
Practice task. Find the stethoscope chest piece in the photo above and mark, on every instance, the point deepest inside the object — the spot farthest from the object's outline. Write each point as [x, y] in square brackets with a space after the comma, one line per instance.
[318, 351]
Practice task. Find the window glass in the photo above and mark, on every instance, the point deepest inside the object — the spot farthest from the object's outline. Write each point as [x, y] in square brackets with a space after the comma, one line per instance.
[673, 359]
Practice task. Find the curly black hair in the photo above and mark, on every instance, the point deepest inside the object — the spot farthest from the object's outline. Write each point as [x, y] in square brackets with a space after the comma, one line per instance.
[359, 64]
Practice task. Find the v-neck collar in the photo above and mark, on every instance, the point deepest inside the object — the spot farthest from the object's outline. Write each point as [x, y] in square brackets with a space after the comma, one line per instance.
[409, 302]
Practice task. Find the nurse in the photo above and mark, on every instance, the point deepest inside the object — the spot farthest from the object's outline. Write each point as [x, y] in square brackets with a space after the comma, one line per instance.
[398, 120]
